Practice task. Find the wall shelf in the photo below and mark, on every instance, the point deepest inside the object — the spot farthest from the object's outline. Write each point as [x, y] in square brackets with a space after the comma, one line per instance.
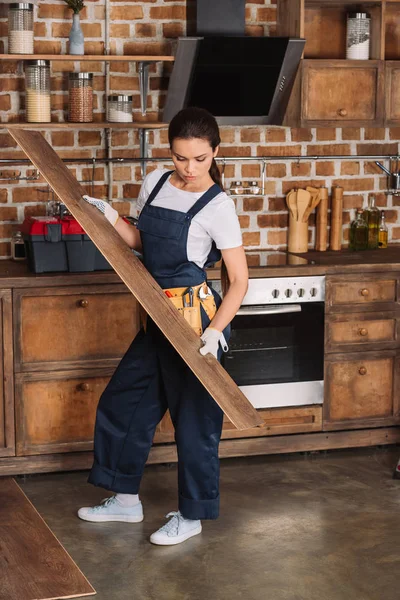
[99, 125]
[87, 57]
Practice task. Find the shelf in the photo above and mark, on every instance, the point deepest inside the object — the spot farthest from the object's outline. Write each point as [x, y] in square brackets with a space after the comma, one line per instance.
[87, 57]
[99, 125]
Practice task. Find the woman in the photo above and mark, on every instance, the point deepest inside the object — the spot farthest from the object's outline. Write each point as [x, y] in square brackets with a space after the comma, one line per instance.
[186, 222]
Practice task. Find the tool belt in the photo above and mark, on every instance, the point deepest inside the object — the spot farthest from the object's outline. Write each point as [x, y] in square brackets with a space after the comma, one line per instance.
[188, 301]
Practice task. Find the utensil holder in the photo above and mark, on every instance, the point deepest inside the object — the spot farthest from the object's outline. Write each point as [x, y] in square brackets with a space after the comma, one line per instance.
[298, 235]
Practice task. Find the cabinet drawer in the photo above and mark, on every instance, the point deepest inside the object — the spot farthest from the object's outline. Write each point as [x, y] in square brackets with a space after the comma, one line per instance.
[339, 92]
[56, 412]
[350, 294]
[69, 327]
[354, 331]
[361, 390]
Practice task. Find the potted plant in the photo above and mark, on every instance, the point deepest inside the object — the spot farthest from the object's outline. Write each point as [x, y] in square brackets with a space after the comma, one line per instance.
[76, 39]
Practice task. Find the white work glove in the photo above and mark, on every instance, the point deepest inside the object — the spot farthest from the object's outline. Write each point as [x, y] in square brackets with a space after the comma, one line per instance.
[108, 211]
[211, 339]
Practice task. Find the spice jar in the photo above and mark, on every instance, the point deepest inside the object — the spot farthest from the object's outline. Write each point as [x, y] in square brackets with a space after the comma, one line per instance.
[80, 98]
[253, 188]
[37, 83]
[236, 188]
[20, 28]
[18, 246]
[119, 109]
[358, 34]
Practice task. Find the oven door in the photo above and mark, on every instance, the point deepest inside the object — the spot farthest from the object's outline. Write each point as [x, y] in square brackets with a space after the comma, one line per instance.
[276, 354]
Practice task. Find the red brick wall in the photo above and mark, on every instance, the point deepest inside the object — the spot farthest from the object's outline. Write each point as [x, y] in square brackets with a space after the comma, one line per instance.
[150, 27]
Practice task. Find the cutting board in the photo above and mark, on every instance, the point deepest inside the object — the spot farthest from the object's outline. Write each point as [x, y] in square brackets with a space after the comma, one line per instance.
[139, 281]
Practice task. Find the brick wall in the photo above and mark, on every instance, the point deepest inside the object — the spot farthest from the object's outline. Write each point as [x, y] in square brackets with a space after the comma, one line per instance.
[150, 27]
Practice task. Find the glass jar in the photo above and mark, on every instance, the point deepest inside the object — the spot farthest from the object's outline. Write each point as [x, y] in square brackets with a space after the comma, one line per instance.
[359, 232]
[236, 188]
[80, 98]
[358, 35]
[20, 28]
[253, 188]
[119, 109]
[18, 246]
[37, 85]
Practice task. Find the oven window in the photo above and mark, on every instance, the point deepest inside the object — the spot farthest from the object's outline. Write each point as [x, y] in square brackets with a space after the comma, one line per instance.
[277, 348]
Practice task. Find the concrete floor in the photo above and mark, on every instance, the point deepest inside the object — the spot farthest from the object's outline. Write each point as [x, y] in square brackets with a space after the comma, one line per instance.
[299, 527]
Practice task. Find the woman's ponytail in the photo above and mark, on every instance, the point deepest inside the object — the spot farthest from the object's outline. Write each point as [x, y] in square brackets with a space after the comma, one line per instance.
[215, 173]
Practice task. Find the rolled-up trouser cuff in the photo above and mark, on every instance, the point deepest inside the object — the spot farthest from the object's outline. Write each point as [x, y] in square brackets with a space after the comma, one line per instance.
[114, 481]
[199, 509]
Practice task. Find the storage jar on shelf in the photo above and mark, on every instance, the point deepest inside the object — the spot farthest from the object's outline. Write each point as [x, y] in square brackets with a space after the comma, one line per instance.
[358, 36]
[20, 28]
[80, 98]
[37, 85]
[119, 109]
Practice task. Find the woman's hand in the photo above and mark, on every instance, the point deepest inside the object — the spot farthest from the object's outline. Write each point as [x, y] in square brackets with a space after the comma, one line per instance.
[108, 211]
[210, 338]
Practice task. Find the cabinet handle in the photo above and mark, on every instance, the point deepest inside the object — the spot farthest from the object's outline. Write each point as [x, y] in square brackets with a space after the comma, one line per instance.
[83, 387]
[364, 292]
[362, 371]
[342, 112]
[83, 303]
[363, 331]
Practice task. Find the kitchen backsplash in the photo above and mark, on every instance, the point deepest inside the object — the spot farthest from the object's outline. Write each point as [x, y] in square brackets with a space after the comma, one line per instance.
[150, 27]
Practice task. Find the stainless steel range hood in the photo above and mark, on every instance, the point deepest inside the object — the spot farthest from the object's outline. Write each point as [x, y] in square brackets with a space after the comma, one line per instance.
[241, 80]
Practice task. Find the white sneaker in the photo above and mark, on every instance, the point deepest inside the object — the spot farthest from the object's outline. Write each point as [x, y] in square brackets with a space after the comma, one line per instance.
[111, 510]
[177, 530]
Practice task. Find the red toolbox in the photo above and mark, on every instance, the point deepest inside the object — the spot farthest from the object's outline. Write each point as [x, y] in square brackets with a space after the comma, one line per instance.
[60, 244]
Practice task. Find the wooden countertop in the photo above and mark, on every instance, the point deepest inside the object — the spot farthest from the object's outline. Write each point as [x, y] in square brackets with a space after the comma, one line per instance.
[16, 274]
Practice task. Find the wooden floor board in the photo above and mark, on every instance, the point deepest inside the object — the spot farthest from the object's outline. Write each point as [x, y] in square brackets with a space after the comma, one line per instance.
[33, 563]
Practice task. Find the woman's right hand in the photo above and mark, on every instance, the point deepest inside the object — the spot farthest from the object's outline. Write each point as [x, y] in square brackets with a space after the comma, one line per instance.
[108, 211]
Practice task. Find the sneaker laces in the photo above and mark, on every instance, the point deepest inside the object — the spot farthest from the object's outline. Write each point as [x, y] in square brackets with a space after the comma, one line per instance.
[105, 503]
[172, 527]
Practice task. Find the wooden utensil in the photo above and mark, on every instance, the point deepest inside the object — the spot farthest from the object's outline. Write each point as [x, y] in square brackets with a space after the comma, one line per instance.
[336, 218]
[139, 281]
[292, 203]
[322, 221]
[315, 199]
[303, 199]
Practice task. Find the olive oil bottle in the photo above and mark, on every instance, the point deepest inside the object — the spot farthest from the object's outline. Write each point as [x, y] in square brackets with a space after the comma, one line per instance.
[371, 216]
[383, 231]
[359, 232]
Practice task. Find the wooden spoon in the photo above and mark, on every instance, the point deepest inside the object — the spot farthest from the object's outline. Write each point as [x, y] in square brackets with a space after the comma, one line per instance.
[315, 199]
[292, 204]
[303, 200]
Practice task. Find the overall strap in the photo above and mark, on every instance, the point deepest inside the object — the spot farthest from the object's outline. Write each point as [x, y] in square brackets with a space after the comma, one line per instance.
[211, 193]
[158, 186]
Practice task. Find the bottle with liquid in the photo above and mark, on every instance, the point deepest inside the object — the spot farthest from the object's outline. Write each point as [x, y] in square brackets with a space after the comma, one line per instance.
[383, 231]
[359, 232]
[371, 216]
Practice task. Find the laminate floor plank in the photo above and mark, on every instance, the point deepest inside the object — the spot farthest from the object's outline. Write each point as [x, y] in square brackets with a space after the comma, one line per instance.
[33, 563]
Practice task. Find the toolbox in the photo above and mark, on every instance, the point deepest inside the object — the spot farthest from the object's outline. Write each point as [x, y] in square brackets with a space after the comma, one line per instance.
[60, 244]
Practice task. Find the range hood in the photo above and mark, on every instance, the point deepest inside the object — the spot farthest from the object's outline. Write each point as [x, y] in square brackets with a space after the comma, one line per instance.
[241, 80]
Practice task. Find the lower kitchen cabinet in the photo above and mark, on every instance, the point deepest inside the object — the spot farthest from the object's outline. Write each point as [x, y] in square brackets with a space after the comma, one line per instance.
[362, 390]
[349, 332]
[277, 421]
[55, 412]
[7, 433]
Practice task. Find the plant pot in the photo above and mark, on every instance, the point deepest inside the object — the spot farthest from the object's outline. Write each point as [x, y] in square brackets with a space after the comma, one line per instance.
[76, 39]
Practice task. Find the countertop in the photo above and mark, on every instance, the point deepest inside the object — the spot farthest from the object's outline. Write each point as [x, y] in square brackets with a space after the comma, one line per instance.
[16, 274]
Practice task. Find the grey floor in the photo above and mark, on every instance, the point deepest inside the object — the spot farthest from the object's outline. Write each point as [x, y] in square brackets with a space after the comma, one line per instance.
[324, 526]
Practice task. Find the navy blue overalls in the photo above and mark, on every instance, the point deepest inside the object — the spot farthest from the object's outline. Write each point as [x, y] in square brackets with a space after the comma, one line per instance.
[152, 378]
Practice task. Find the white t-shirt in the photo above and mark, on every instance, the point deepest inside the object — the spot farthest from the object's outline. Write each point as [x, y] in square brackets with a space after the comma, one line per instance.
[216, 221]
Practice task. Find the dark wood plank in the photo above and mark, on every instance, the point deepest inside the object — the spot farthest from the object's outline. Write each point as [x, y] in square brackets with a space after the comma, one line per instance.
[33, 563]
[209, 371]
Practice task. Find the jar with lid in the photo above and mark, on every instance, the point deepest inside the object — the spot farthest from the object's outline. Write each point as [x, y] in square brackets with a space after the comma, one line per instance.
[18, 246]
[358, 36]
[359, 232]
[20, 28]
[253, 188]
[37, 85]
[80, 97]
[119, 109]
[236, 188]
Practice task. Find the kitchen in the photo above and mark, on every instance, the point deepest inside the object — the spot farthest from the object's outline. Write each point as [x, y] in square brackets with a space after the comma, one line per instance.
[60, 349]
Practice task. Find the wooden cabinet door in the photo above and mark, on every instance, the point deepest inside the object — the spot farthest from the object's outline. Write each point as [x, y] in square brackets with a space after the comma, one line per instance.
[55, 412]
[336, 92]
[392, 93]
[7, 429]
[73, 327]
[362, 390]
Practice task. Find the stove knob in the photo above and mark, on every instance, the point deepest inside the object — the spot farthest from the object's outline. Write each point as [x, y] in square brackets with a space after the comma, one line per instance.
[288, 293]
[275, 293]
[314, 292]
[301, 292]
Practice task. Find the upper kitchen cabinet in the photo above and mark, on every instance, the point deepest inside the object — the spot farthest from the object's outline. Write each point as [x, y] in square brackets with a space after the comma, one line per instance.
[392, 67]
[330, 89]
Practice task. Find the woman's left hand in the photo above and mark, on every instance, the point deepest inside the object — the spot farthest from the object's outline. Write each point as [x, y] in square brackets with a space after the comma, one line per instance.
[210, 338]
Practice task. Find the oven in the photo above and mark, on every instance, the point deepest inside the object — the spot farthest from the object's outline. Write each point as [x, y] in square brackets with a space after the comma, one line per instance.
[276, 350]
